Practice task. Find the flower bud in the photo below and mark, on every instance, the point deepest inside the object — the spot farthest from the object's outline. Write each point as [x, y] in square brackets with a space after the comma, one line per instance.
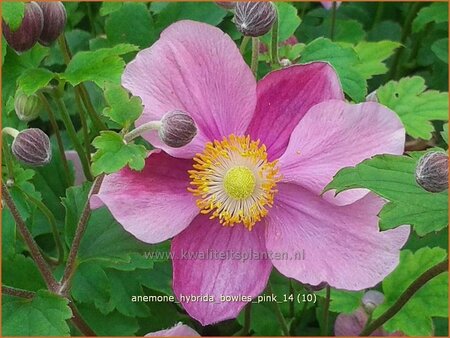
[432, 172]
[55, 17]
[32, 146]
[226, 4]
[29, 31]
[27, 108]
[254, 18]
[371, 300]
[372, 97]
[177, 129]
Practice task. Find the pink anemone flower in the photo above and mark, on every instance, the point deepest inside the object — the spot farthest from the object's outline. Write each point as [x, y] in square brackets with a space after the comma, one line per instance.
[179, 330]
[245, 194]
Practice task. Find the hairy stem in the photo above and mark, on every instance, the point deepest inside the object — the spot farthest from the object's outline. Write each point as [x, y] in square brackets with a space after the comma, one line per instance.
[44, 269]
[152, 125]
[279, 314]
[81, 227]
[326, 307]
[274, 42]
[8, 290]
[244, 44]
[406, 296]
[52, 118]
[292, 303]
[73, 136]
[84, 126]
[255, 56]
[52, 220]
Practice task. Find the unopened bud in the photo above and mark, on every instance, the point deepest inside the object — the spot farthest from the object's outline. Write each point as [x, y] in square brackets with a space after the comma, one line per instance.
[177, 129]
[226, 4]
[254, 18]
[371, 300]
[372, 97]
[27, 108]
[29, 31]
[432, 172]
[55, 17]
[32, 146]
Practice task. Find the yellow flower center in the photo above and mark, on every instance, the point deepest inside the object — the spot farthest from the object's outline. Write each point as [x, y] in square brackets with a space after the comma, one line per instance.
[239, 182]
[234, 181]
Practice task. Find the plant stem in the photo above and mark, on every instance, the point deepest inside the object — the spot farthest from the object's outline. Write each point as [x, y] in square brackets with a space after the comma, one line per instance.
[73, 136]
[326, 308]
[44, 269]
[406, 29]
[255, 56]
[84, 126]
[10, 131]
[244, 44]
[80, 90]
[8, 159]
[51, 117]
[81, 227]
[279, 314]
[406, 296]
[333, 20]
[152, 125]
[274, 42]
[51, 218]
[292, 303]
[378, 14]
[247, 319]
[8, 290]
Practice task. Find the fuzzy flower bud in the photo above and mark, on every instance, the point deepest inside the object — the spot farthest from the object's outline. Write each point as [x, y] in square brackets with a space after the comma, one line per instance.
[29, 31]
[27, 108]
[32, 146]
[55, 17]
[254, 18]
[371, 300]
[177, 129]
[226, 4]
[432, 172]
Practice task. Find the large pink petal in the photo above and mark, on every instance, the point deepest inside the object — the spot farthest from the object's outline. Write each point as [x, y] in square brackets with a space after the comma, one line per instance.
[284, 97]
[341, 245]
[179, 330]
[196, 68]
[237, 265]
[335, 134]
[153, 204]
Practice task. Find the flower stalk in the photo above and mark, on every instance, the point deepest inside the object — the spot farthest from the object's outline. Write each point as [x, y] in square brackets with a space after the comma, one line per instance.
[280, 318]
[405, 297]
[81, 228]
[152, 125]
[326, 305]
[255, 56]
[274, 42]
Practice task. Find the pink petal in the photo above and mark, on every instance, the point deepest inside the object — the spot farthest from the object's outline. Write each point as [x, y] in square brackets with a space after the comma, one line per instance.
[335, 134]
[196, 68]
[153, 204]
[179, 330]
[284, 97]
[72, 156]
[342, 245]
[229, 270]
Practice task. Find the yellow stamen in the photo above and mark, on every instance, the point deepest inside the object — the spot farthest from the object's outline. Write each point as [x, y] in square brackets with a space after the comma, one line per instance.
[234, 181]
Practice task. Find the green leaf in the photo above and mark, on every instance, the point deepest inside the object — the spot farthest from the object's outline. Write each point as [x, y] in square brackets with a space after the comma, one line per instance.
[288, 20]
[21, 272]
[392, 177]
[110, 7]
[372, 55]
[342, 301]
[415, 105]
[44, 315]
[119, 30]
[343, 59]
[122, 109]
[113, 154]
[4, 49]
[100, 66]
[437, 12]
[12, 13]
[74, 203]
[91, 285]
[431, 300]
[440, 48]
[34, 79]
[207, 12]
